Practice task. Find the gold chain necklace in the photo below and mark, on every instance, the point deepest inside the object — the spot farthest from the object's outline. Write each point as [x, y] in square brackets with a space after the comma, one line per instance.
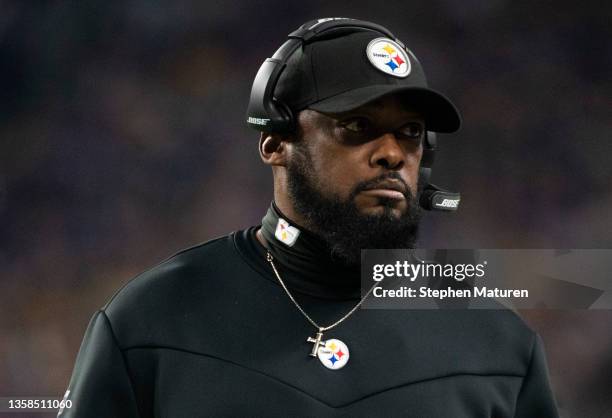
[333, 353]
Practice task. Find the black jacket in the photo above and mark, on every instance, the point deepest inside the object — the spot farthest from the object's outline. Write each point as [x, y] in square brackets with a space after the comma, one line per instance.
[210, 333]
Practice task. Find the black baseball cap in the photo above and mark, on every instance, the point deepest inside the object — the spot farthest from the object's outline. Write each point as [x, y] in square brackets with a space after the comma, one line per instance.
[347, 69]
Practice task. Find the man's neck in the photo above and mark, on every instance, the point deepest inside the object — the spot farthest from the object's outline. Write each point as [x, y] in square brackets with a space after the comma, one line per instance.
[260, 238]
[303, 256]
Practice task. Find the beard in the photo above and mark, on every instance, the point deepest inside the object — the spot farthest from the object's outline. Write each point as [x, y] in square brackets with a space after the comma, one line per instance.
[340, 223]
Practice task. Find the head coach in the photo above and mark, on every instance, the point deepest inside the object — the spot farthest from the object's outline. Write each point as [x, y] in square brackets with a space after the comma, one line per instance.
[265, 321]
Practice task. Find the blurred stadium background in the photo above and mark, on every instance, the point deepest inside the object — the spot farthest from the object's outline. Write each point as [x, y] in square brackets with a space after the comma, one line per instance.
[122, 141]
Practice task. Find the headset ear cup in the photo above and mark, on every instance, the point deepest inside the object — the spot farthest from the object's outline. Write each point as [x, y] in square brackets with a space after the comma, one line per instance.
[264, 112]
[285, 122]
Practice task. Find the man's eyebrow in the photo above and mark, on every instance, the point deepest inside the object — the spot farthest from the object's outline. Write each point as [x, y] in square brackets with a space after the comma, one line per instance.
[415, 118]
[341, 115]
[359, 112]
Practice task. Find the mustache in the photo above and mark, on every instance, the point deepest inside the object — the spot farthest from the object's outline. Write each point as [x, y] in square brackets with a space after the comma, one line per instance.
[380, 180]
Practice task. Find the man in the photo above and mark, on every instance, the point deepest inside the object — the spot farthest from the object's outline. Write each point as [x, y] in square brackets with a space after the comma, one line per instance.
[265, 321]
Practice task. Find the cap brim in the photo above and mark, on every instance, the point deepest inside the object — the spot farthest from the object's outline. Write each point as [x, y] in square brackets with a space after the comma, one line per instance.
[440, 113]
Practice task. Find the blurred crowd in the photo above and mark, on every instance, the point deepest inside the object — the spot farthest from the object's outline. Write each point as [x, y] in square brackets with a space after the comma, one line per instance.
[122, 140]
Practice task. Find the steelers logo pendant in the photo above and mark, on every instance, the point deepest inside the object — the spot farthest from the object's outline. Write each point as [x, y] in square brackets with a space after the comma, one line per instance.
[334, 354]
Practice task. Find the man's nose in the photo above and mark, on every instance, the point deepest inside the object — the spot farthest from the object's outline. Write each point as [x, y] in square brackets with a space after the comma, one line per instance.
[388, 153]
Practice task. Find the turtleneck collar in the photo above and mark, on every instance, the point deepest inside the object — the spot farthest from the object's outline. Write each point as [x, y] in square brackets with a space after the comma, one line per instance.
[304, 261]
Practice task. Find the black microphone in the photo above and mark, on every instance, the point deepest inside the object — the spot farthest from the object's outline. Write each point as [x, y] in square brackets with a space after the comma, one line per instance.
[435, 198]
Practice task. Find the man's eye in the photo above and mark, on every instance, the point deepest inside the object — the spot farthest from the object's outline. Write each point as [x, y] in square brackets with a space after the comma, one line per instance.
[411, 130]
[356, 125]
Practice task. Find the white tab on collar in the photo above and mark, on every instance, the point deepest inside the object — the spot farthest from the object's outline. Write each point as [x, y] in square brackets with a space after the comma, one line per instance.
[286, 233]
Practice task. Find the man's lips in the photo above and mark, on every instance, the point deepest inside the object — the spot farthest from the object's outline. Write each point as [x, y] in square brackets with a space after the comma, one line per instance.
[388, 193]
[389, 189]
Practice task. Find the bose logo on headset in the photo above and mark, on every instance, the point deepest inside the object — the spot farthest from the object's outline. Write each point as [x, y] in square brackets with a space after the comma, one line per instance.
[449, 203]
[258, 121]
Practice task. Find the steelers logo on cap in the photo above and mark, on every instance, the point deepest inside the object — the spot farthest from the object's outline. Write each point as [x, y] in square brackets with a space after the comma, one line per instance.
[387, 56]
[334, 355]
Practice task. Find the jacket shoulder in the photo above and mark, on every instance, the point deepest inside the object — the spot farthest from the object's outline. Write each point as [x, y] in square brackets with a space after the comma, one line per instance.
[169, 292]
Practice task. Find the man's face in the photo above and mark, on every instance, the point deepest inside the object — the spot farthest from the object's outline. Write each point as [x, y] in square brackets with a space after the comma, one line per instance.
[353, 176]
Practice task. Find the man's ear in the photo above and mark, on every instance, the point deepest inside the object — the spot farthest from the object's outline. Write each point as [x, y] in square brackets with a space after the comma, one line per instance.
[273, 148]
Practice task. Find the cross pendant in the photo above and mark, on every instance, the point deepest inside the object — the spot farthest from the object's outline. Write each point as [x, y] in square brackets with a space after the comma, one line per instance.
[316, 343]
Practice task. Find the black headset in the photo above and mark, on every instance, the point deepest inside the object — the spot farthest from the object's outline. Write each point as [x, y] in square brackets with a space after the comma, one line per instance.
[268, 114]
[265, 112]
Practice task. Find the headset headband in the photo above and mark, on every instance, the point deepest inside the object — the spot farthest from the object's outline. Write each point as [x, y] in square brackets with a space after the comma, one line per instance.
[308, 31]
